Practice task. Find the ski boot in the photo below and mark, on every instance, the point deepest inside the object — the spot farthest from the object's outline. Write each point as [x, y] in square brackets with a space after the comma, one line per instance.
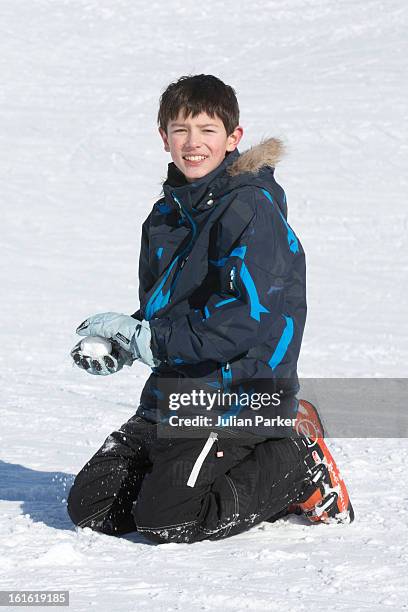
[325, 499]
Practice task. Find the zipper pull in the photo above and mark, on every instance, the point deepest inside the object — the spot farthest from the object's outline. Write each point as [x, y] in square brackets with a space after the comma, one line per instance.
[178, 204]
[232, 278]
[226, 376]
[219, 452]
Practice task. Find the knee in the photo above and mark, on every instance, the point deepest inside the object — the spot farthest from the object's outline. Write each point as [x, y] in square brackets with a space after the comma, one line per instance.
[76, 504]
[176, 534]
[161, 527]
[82, 509]
[82, 515]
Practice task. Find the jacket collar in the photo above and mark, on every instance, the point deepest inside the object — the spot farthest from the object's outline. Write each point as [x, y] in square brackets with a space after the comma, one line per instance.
[195, 195]
[254, 166]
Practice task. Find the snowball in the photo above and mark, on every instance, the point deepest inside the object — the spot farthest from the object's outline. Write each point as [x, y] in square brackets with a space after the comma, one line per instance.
[96, 346]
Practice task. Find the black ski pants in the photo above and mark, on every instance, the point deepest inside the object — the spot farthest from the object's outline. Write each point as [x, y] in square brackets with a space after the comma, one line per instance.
[185, 489]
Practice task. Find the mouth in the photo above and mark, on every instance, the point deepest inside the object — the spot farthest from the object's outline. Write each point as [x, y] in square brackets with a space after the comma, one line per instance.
[194, 160]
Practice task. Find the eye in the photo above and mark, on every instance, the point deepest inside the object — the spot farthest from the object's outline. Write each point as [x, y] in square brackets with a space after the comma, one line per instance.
[213, 131]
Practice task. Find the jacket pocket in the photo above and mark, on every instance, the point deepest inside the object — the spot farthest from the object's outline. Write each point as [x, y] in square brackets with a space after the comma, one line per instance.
[201, 458]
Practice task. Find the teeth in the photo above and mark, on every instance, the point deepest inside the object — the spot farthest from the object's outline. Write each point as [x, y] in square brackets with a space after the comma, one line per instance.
[194, 157]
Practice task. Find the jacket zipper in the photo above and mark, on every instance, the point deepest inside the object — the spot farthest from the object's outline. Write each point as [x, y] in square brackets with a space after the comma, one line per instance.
[226, 367]
[183, 256]
[226, 375]
[181, 211]
[186, 252]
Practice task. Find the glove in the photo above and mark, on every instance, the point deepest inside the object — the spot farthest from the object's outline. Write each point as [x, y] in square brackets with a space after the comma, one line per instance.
[102, 366]
[132, 335]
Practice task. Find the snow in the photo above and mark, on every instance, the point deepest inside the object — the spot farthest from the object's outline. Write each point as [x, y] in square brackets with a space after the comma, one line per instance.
[81, 164]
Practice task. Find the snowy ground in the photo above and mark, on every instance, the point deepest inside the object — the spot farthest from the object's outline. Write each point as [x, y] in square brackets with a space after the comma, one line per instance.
[80, 166]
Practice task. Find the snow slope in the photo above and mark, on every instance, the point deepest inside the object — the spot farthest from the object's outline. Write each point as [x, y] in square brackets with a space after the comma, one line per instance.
[80, 166]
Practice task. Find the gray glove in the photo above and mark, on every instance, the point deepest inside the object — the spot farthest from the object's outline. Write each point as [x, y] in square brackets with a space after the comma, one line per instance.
[130, 334]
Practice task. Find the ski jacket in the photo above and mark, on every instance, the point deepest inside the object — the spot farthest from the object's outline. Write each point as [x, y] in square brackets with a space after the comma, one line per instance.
[222, 278]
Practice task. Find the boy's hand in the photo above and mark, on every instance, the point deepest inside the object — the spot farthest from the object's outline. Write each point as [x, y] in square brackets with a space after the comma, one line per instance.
[132, 335]
[102, 365]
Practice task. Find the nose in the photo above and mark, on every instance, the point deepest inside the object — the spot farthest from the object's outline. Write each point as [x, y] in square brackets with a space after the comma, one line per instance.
[192, 140]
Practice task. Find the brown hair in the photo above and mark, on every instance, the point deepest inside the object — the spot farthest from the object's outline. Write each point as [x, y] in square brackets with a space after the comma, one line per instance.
[200, 93]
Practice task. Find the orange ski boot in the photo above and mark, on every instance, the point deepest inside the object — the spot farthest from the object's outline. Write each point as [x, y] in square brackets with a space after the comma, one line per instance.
[326, 498]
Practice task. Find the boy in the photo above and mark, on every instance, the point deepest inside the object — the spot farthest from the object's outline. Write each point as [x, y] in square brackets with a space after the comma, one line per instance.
[222, 307]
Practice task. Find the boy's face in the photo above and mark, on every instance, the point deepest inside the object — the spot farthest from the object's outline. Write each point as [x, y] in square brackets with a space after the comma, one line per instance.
[198, 144]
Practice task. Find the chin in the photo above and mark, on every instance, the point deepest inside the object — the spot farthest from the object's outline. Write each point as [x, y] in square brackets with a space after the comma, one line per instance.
[196, 173]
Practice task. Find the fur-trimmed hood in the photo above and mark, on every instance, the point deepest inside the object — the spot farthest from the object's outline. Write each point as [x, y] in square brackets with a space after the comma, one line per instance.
[267, 153]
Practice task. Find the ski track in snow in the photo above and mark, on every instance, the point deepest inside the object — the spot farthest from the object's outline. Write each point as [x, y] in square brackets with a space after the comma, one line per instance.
[81, 164]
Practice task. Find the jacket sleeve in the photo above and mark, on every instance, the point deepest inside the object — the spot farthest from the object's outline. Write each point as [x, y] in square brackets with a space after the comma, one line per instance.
[146, 278]
[251, 298]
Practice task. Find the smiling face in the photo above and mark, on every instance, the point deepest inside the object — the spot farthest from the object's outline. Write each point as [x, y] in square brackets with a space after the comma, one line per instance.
[198, 144]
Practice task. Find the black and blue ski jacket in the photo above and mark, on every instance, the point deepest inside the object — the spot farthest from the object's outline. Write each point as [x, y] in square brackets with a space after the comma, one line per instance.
[222, 278]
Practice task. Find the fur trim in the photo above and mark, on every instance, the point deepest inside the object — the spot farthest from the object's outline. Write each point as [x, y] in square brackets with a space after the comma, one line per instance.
[267, 153]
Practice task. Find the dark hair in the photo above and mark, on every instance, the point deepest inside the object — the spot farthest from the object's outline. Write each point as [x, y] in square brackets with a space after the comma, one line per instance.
[200, 93]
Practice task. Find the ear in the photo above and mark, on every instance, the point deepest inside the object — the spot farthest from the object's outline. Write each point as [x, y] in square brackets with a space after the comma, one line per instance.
[165, 139]
[234, 138]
